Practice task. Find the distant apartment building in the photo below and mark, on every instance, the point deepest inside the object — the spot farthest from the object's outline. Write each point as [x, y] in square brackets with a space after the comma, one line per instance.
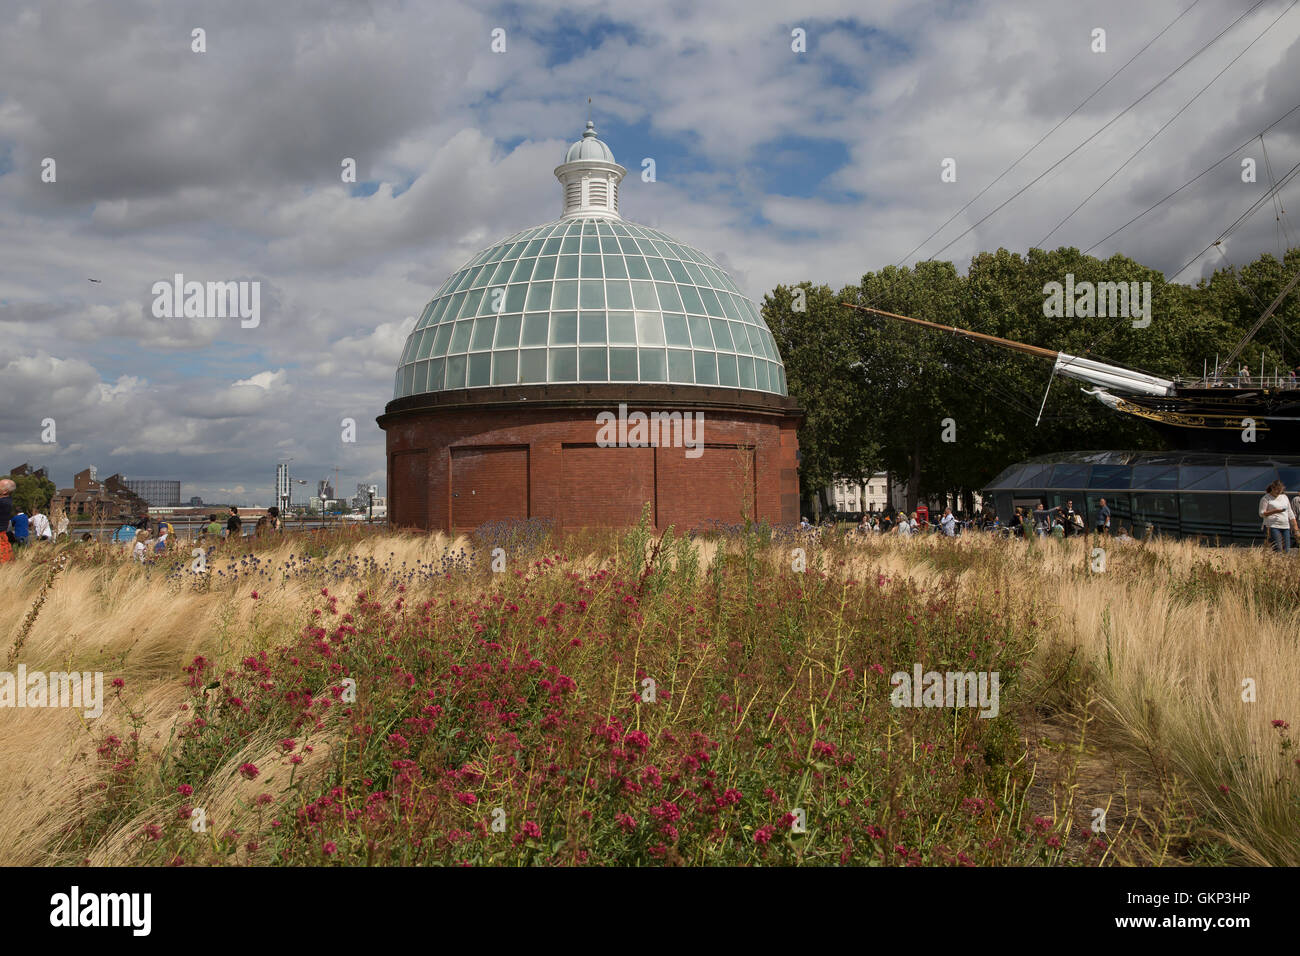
[159, 493]
[26, 470]
[90, 497]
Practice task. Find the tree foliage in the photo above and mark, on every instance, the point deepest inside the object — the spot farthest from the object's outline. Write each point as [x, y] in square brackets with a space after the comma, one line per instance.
[882, 394]
[32, 491]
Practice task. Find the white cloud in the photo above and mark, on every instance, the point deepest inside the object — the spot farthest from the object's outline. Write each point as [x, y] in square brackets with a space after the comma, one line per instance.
[226, 165]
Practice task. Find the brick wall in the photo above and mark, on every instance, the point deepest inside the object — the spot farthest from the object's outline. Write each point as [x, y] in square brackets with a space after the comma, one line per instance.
[544, 462]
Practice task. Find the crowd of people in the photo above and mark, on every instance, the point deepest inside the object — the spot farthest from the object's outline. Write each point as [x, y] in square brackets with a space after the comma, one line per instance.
[158, 538]
[140, 538]
[1279, 517]
[1062, 521]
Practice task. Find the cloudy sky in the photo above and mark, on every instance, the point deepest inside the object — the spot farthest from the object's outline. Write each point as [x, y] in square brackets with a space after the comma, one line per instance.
[225, 165]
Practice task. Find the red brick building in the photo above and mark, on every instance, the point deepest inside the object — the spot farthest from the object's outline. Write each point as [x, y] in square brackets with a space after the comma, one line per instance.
[583, 368]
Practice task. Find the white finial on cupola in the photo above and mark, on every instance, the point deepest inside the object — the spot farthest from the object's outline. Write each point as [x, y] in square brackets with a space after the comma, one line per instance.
[590, 178]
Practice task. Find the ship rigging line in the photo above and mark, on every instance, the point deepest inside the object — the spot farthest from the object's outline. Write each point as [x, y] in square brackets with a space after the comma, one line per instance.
[1240, 220]
[1042, 139]
[1249, 289]
[1169, 121]
[1198, 176]
[1237, 223]
[1279, 212]
[1114, 119]
[880, 298]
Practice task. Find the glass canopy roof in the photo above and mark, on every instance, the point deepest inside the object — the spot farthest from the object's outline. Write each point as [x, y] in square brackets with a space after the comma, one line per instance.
[589, 300]
[1148, 471]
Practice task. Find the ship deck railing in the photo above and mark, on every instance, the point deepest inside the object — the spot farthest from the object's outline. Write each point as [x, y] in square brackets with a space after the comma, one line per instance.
[1286, 381]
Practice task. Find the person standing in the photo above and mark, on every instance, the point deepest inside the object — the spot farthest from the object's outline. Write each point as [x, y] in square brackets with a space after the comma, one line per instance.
[1103, 518]
[214, 527]
[63, 526]
[1067, 517]
[7, 488]
[1041, 521]
[1279, 518]
[948, 524]
[234, 526]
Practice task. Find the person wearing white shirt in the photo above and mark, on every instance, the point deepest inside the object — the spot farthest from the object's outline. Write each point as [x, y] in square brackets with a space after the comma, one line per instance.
[948, 524]
[904, 527]
[40, 526]
[1279, 517]
[141, 549]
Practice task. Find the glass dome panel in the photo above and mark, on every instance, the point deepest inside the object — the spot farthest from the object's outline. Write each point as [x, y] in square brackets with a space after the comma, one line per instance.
[589, 300]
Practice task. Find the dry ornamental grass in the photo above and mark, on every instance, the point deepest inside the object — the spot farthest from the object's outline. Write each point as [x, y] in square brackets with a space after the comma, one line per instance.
[633, 698]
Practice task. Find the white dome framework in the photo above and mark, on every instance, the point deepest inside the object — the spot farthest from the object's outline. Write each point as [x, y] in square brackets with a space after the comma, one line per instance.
[589, 298]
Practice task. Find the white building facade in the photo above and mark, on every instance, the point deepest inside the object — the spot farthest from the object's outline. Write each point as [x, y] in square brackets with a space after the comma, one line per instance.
[881, 492]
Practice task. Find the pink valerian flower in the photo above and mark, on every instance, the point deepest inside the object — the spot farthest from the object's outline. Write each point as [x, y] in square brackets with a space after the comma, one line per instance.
[531, 830]
[288, 744]
[625, 822]
[763, 835]
[119, 684]
[248, 771]
[1279, 724]
[185, 790]
[468, 799]
[330, 848]
[637, 740]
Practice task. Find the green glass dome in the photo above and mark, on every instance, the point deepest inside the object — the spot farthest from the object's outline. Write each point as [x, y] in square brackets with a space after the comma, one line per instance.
[589, 300]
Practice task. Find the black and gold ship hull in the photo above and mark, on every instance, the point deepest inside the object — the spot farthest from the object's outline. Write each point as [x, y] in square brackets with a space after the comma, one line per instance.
[1241, 420]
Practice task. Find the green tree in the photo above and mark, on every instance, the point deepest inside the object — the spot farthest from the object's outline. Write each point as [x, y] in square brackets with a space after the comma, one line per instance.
[32, 491]
[883, 393]
[816, 339]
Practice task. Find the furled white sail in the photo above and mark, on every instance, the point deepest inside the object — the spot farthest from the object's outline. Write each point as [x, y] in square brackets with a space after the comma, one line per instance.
[1112, 376]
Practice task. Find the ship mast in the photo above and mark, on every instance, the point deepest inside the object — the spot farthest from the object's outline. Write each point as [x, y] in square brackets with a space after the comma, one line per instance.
[1071, 366]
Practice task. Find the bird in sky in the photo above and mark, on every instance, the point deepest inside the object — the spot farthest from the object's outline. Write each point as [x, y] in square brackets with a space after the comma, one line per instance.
[94, 280]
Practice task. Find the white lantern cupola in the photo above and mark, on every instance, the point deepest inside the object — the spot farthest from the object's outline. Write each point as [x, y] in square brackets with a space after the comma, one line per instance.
[590, 177]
